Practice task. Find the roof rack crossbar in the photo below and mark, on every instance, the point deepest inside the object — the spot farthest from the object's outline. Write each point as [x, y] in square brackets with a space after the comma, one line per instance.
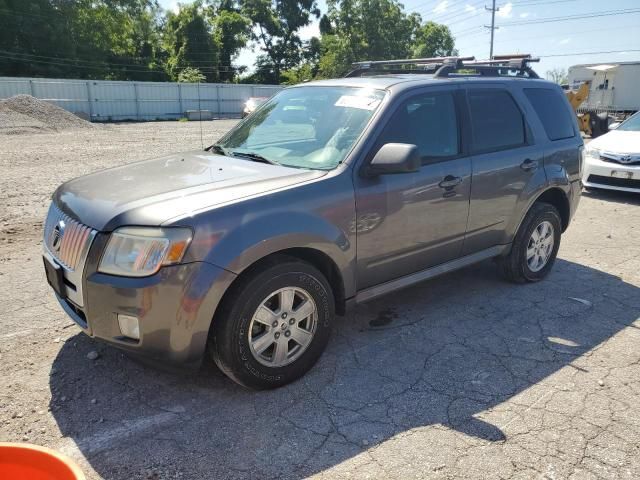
[442, 67]
[409, 61]
[429, 65]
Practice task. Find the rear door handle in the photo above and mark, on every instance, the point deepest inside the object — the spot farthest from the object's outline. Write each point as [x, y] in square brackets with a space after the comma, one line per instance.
[529, 164]
[450, 181]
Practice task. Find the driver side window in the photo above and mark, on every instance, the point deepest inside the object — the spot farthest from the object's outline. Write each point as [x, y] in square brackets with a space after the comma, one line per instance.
[428, 121]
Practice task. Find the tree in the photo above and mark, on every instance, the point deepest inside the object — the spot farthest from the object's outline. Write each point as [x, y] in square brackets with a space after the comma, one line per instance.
[308, 68]
[191, 75]
[189, 42]
[81, 38]
[433, 40]
[356, 30]
[231, 33]
[558, 75]
[276, 26]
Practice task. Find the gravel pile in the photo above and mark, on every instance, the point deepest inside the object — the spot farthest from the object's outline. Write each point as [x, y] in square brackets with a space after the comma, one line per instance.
[27, 114]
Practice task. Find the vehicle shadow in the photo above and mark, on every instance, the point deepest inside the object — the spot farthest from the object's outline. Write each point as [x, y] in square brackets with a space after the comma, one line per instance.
[442, 354]
[615, 196]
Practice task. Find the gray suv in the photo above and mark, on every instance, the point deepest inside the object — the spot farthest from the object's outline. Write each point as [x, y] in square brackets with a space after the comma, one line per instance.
[331, 193]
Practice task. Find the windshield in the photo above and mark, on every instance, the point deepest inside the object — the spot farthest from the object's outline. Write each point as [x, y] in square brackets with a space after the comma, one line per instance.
[632, 124]
[307, 127]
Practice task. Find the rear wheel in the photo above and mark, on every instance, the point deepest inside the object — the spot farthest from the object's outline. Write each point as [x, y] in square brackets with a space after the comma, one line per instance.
[535, 246]
[274, 325]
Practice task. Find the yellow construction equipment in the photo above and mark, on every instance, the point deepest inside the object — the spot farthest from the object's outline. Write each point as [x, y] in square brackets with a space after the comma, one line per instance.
[591, 123]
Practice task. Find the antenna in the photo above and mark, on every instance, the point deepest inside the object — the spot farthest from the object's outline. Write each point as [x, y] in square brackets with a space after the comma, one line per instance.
[200, 114]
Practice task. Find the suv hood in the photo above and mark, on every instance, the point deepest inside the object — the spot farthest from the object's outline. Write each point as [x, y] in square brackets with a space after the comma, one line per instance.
[152, 192]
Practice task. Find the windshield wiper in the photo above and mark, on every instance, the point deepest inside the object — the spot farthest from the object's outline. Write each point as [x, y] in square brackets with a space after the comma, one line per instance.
[256, 157]
[217, 149]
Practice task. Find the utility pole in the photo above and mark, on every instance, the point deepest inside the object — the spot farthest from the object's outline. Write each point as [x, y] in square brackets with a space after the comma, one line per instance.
[493, 27]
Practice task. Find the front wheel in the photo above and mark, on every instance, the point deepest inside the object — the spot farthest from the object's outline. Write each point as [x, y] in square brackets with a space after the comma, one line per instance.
[273, 325]
[535, 246]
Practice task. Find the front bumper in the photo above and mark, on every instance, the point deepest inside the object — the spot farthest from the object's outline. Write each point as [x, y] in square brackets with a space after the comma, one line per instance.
[610, 175]
[174, 308]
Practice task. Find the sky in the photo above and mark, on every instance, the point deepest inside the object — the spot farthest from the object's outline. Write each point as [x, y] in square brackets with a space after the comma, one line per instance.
[524, 27]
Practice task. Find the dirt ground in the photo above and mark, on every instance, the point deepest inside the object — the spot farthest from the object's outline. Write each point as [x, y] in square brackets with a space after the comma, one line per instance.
[465, 376]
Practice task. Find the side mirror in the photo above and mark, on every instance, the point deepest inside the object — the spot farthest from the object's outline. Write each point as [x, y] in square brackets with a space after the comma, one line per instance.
[394, 158]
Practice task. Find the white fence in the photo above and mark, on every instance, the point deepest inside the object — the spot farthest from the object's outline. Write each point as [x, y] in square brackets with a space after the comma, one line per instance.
[105, 100]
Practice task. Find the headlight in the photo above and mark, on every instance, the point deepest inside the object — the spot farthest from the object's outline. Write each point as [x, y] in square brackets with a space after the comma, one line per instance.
[141, 251]
[592, 153]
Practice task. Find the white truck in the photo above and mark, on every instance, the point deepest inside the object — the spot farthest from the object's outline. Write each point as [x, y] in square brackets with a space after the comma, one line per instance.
[614, 88]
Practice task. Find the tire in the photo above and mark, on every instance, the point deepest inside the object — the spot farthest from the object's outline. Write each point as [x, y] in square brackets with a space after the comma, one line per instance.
[516, 266]
[237, 322]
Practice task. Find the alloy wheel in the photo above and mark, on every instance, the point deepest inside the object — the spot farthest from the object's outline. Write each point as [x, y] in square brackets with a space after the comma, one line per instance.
[540, 246]
[283, 327]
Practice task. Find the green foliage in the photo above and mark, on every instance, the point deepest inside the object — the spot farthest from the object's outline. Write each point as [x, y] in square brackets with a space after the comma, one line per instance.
[137, 40]
[80, 38]
[355, 30]
[433, 40]
[364, 29]
[189, 41]
[277, 23]
[231, 33]
[191, 75]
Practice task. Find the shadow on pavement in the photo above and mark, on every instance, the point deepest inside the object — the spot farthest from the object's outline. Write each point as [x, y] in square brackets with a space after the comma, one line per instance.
[612, 196]
[440, 353]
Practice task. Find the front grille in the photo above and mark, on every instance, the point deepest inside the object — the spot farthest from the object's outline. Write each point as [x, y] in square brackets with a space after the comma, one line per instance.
[66, 239]
[614, 182]
[620, 159]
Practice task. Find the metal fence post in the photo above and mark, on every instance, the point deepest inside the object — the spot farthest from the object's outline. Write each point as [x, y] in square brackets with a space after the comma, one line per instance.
[31, 87]
[218, 103]
[180, 99]
[89, 101]
[135, 93]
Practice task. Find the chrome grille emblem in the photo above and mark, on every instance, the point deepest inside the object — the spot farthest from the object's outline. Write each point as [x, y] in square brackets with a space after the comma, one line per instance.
[56, 236]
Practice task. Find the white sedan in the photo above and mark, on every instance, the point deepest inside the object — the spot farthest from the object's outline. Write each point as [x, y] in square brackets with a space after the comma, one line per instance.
[612, 161]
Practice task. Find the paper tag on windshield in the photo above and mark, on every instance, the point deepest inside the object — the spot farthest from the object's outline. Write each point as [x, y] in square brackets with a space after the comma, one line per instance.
[353, 101]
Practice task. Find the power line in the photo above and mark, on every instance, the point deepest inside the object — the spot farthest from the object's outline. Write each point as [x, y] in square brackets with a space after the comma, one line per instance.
[531, 3]
[106, 65]
[446, 18]
[588, 53]
[569, 33]
[607, 13]
[99, 64]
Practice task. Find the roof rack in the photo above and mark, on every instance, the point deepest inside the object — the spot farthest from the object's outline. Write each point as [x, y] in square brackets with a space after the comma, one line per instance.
[443, 67]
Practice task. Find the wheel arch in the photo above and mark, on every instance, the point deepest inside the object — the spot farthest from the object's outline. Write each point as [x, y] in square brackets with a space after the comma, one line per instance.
[558, 198]
[317, 258]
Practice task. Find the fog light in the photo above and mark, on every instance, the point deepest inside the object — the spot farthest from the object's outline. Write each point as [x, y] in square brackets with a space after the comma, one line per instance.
[129, 326]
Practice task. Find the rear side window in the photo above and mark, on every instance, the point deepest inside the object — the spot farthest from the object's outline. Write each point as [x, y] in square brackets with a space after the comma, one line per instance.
[428, 121]
[496, 120]
[552, 111]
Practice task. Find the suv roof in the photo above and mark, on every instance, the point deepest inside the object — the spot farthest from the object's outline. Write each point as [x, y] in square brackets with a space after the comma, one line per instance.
[389, 80]
[385, 73]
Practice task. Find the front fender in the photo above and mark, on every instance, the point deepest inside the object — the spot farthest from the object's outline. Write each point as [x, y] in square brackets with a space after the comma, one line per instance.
[318, 216]
[262, 236]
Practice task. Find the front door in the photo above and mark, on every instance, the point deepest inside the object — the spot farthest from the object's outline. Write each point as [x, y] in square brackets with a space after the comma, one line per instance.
[408, 222]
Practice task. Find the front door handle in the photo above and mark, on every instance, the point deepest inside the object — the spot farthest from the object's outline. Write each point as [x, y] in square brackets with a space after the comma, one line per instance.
[529, 165]
[450, 181]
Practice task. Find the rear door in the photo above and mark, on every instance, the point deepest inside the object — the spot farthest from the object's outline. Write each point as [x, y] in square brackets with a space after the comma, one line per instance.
[503, 162]
[408, 222]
